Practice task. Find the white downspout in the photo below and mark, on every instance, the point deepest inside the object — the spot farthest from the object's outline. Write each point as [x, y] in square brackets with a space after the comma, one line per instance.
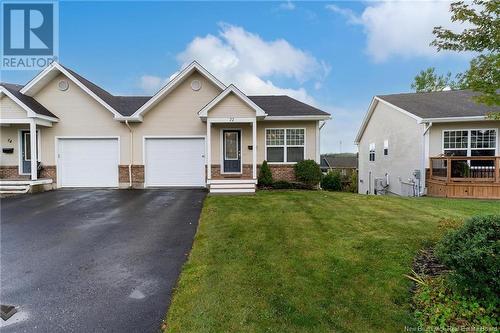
[131, 154]
[423, 176]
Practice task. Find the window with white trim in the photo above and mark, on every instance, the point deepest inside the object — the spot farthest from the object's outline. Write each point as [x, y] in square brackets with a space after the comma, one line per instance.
[476, 142]
[285, 145]
[386, 147]
[371, 156]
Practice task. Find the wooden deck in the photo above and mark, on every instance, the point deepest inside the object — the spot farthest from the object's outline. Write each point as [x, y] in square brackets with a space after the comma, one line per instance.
[464, 177]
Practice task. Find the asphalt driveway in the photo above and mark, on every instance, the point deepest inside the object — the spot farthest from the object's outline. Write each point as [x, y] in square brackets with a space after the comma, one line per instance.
[94, 260]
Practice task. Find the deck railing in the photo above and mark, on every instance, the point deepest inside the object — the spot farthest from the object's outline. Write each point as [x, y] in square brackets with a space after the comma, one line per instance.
[465, 169]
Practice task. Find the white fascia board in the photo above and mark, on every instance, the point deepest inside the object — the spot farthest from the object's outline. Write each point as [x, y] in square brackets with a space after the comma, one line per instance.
[366, 118]
[203, 113]
[170, 86]
[31, 86]
[29, 112]
[277, 118]
[454, 119]
[397, 108]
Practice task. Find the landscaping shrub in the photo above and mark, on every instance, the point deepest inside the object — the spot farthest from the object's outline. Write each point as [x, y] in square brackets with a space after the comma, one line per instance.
[282, 185]
[332, 181]
[438, 306]
[472, 252]
[308, 172]
[353, 185]
[265, 175]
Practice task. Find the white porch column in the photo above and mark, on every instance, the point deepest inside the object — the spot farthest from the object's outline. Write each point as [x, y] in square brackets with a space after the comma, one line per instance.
[254, 149]
[209, 150]
[33, 149]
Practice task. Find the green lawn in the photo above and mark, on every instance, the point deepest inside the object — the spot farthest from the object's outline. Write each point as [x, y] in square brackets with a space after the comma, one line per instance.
[307, 262]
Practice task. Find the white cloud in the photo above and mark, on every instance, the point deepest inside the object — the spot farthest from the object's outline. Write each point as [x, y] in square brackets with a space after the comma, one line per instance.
[151, 84]
[400, 28]
[287, 5]
[250, 62]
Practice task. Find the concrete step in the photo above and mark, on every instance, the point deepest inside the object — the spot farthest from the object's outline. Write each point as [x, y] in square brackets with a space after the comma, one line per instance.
[235, 185]
[231, 190]
[13, 189]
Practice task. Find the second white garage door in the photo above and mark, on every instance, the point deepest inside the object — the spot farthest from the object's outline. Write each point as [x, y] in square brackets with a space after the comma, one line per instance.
[88, 162]
[174, 162]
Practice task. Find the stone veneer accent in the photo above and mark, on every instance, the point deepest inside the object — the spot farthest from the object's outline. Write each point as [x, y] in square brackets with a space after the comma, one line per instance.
[11, 172]
[281, 172]
[137, 175]
[246, 174]
[49, 171]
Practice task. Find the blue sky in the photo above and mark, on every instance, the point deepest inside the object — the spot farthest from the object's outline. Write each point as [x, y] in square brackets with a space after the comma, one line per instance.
[335, 55]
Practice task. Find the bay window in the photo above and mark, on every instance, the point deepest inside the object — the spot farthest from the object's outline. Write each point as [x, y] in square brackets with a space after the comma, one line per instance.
[285, 145]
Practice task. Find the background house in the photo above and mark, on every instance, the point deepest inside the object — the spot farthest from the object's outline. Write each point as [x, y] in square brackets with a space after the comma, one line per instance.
[345, 163]
[437, 143]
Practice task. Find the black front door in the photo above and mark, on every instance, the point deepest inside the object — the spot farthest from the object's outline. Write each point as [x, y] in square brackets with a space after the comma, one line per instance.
[231, 151]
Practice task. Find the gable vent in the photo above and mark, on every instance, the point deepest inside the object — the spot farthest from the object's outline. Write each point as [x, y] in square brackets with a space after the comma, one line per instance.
[196, 85]
[63, 85]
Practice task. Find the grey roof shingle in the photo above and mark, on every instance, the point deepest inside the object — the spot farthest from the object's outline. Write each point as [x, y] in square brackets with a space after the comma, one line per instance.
[27, 100]
[440, 104]
[339, 160]
[125, 105]
[282, 105]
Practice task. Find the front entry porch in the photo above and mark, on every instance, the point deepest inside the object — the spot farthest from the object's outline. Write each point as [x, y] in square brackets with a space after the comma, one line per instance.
[231, 155]
[20, 169]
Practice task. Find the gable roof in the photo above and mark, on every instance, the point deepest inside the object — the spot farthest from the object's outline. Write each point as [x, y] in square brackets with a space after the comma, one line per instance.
[339, 161]
[440, 104]
[100, 95]
[133, 107]
[12, 90]
[203, 113]
[437, 106]
[178, 79]
[285, 106]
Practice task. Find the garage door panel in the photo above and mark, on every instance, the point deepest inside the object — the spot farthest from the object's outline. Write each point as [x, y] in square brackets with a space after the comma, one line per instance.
[88, 162]
[175, 162]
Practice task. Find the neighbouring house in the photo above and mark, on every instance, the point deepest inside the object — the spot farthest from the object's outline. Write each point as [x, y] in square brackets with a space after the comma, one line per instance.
[437, 143]
[62, 130]
[344, 163]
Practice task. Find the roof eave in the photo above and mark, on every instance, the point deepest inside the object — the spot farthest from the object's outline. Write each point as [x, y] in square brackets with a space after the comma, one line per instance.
[301, 117]
[453, 119]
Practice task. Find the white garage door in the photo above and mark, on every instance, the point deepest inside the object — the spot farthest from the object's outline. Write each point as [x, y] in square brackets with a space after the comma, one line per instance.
[175, 162]
[88, 162]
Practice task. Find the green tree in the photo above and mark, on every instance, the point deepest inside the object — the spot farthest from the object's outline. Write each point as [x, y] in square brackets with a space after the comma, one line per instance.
[427, 81]
[483, 36]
